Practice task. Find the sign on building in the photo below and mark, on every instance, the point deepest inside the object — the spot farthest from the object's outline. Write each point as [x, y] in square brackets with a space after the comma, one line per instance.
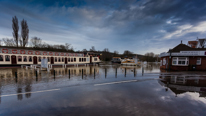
[44, 63]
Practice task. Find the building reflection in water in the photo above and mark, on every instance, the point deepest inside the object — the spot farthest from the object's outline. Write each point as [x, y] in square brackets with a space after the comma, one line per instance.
[26, 78]
[183, 84]
[22, 85]
[75, 71]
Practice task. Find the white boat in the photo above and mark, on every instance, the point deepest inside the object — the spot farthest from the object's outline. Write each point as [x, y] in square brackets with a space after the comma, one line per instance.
[133, 62]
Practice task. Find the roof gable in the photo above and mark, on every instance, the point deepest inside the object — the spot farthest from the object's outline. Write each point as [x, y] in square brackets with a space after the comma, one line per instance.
[181, 47]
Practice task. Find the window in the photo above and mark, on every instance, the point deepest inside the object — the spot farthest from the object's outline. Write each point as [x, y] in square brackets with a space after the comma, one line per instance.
[174, 61]
[7, 58]
[74, 59]
[39, 59]
[62, 59]
[25, 58]
[19, 58]
[48, 59]
[198, 61]
[71, 59]
[55, 59]
[180, 61]
[30, 59]
[59, 59]
[1, 58]
[68, 59]
[80, 59]
[84, 59]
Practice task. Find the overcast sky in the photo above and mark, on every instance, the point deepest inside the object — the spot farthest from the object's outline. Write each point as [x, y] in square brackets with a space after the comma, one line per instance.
[137, 25]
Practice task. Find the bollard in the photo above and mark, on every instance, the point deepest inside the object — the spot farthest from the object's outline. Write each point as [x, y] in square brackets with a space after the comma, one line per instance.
[116, 73]
[142, 71]
[82, 73]
[105, 72]
[36, 76]
[16, 76]
[125, 72]
[69, 73]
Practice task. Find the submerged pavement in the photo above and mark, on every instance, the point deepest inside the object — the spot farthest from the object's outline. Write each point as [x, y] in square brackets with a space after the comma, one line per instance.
[104, 92]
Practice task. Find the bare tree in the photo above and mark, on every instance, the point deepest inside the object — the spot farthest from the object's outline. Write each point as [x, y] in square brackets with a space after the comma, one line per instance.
[20, 41]
[106, 50]
[15, 27]
[24, 32]
[36, 42]
[84, 50]
[67, 46]
[116, 52]
[9, 42]
[92, 49]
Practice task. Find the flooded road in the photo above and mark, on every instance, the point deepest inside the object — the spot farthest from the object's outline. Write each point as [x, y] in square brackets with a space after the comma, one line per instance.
[108, 89]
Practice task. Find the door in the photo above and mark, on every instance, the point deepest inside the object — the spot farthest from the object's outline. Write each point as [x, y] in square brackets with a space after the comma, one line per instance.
[52, 60]
[13, 59]
[34, 60]
[65, 61]
[90, 59]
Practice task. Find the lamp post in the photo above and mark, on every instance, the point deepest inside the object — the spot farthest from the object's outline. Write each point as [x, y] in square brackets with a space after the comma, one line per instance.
[170, 59]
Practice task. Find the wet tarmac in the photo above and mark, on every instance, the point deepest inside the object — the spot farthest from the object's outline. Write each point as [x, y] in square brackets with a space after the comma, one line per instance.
[108, 89]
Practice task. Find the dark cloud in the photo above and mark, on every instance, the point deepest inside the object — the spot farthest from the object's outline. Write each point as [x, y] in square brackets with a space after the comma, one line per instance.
[137, 25]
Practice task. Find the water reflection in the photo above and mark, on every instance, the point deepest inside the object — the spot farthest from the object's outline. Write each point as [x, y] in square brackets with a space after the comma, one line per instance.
[183, 84]
[23, 81]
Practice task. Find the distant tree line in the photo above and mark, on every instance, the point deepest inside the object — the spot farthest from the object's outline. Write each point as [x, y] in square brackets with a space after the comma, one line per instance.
[106, 55]
[151, 57]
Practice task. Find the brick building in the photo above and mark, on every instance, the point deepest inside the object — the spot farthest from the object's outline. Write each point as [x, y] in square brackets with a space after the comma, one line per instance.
[184, 58]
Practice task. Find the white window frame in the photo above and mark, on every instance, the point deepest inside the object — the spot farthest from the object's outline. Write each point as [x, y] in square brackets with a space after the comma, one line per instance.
[198, 62]
[174, 61]
[177, 59]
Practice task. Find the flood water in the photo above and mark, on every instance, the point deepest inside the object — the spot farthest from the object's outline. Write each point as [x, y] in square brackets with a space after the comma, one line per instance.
[107, 89]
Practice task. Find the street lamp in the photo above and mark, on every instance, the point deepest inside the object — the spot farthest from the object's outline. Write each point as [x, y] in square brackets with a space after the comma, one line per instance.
[170, 59]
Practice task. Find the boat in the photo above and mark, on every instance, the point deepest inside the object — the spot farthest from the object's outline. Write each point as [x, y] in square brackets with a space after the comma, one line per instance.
[116, 60]
[132, 62]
